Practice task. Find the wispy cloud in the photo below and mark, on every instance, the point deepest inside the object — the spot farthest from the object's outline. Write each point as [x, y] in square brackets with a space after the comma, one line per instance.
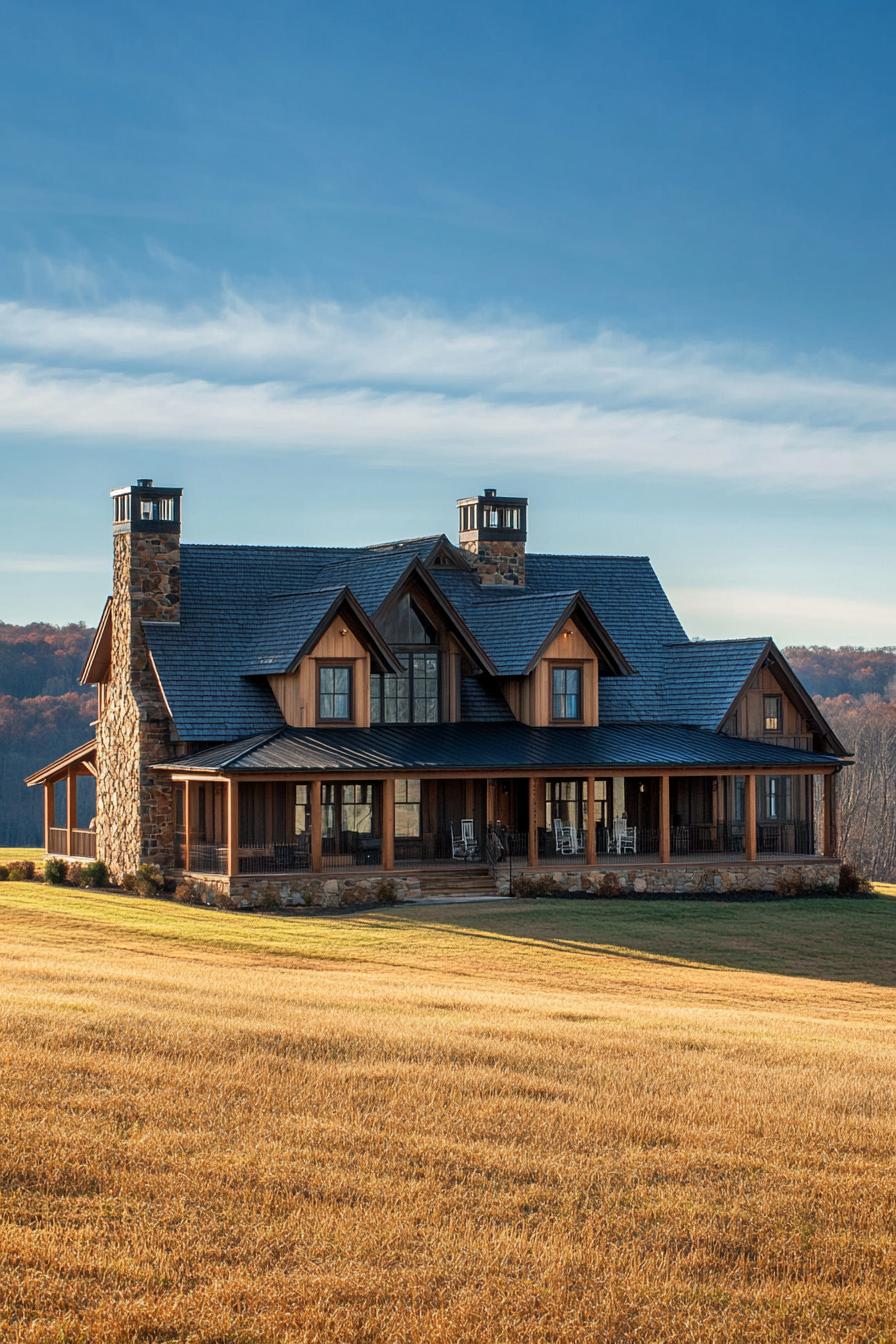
[762, 611]
[11, 563]
[393, 377]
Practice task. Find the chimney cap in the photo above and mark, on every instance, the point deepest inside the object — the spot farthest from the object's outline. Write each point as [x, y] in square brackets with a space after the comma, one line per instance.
[489, 494]
[144, 480]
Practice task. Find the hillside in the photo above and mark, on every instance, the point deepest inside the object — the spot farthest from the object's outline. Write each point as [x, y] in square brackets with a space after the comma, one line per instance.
[43, 713]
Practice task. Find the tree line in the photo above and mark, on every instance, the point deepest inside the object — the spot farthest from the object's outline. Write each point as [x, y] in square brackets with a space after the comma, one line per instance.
[44, 713]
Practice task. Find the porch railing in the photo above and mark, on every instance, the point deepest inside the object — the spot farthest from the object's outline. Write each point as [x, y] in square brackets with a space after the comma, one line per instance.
[83, 843]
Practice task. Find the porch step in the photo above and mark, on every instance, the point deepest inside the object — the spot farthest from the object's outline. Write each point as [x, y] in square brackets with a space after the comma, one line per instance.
[468, 881]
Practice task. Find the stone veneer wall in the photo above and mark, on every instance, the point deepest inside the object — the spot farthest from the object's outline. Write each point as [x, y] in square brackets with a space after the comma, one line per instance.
[687, 879]
[501, 563]
[134, 806]
[316, 892]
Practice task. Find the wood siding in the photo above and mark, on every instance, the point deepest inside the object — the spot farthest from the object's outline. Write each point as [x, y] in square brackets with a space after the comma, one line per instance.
[296, 692]
[747, 718]
[529, 697]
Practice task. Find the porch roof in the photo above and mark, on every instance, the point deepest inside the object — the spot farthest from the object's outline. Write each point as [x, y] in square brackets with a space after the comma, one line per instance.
[492, 746]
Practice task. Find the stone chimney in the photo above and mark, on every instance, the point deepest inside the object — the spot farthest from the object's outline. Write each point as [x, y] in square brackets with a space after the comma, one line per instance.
[135, 809]
[492, 532]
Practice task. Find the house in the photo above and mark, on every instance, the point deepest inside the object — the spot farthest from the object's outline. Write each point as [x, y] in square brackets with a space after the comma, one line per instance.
[274, 716]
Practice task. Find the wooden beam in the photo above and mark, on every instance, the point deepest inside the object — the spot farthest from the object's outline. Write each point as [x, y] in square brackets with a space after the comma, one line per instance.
[665, 819]
[829, 816]
[468, 798]
[388, 856]
[49, 812]
[188, 822]
[591, 824]
[71, 806]
[750, 818]
[533, 821]
[317, 847]
[233, 827]
[491, 803]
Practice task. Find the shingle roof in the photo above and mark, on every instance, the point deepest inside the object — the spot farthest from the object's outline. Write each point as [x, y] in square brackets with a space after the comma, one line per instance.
[246, 610]
[481, 701]
[701, 679]
[493, 746]
[282, 625]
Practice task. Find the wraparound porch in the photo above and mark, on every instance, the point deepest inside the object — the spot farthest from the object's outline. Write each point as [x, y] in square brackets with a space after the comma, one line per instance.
[284, 825]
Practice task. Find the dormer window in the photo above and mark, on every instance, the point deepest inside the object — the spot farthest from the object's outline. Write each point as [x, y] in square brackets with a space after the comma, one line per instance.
[334, 697]
[566, 694]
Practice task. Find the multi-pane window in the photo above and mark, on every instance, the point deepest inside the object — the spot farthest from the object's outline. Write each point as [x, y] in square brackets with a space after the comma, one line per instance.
[412, 697]
[740, 786]
[777, 798]
[303, 809]
[334, 701]
[348, 809]
[566, 800]
[772, 713]
[566, 693]
[407, 807]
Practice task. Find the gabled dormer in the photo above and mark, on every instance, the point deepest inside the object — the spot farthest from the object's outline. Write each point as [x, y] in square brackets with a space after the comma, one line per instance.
[318, 652]
[558, 650]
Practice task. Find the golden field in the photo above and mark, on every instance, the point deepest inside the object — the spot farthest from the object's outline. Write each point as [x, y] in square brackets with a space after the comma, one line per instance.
[499, 1123]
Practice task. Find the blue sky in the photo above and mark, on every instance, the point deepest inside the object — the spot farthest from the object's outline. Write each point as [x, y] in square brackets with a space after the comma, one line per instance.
[330, 266]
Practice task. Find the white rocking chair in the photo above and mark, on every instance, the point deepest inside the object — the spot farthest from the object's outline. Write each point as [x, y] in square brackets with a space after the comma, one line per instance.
[625, 837]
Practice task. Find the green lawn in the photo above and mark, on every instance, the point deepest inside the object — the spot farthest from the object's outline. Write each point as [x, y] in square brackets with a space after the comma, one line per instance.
[824, 938]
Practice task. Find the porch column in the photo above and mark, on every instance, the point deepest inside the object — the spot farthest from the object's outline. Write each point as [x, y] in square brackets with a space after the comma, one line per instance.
[49, 812]
[491, 789]
[591, 824]
[233, 827]
[750, 818]
[665, 819]
[316, 828]
[188, 823]
[388, 856]
[533, 822]
[829, 815]
[71, 807]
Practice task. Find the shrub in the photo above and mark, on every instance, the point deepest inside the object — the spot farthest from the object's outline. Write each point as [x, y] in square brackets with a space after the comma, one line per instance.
[55, 871]
[4, 873]
[852, 882]
[268, 901]
[93, 874]
[188, 892]
[386, 891]
[21, 871]
[608, 886]
[147, 881]
[529, 887]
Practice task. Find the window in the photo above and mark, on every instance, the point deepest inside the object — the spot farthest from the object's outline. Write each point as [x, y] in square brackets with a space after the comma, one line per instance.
[566, 799]
[334, 700]
[740, 786]
[303, 809]
[772, 713]
[407, 807]
[777, 798]
[349, 810]
[413, 695]
[566, 693]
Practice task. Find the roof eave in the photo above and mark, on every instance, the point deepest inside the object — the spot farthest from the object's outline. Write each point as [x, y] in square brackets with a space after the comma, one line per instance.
[88, 675]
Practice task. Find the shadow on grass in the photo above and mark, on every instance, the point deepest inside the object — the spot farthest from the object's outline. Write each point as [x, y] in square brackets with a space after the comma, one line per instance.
[828, 938]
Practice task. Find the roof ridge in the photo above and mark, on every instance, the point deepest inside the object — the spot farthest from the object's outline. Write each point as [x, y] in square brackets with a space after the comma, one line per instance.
[582, 555]
[703, 643]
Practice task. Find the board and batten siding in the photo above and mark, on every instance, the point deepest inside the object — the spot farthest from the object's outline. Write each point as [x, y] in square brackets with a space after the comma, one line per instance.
[529, 697]
[296, 692]
[747, 717]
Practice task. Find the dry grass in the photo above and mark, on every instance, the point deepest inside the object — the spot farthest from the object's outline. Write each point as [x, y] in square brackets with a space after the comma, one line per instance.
[600, 1121]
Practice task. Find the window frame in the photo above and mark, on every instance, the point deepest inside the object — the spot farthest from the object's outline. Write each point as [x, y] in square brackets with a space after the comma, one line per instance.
[778, 716]
[328, 664]
[567, 665]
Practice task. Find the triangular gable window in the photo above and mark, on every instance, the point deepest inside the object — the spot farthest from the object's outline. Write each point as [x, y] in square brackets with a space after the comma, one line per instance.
[404, 625]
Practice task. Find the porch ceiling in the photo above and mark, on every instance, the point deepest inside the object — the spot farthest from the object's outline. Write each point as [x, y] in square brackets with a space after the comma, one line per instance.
[493, 747]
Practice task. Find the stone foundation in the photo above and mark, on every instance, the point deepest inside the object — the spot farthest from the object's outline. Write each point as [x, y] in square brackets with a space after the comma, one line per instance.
[686, 879]
[318, 892]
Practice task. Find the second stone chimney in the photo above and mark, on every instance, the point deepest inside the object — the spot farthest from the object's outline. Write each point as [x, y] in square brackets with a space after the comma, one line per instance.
[492, 532]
